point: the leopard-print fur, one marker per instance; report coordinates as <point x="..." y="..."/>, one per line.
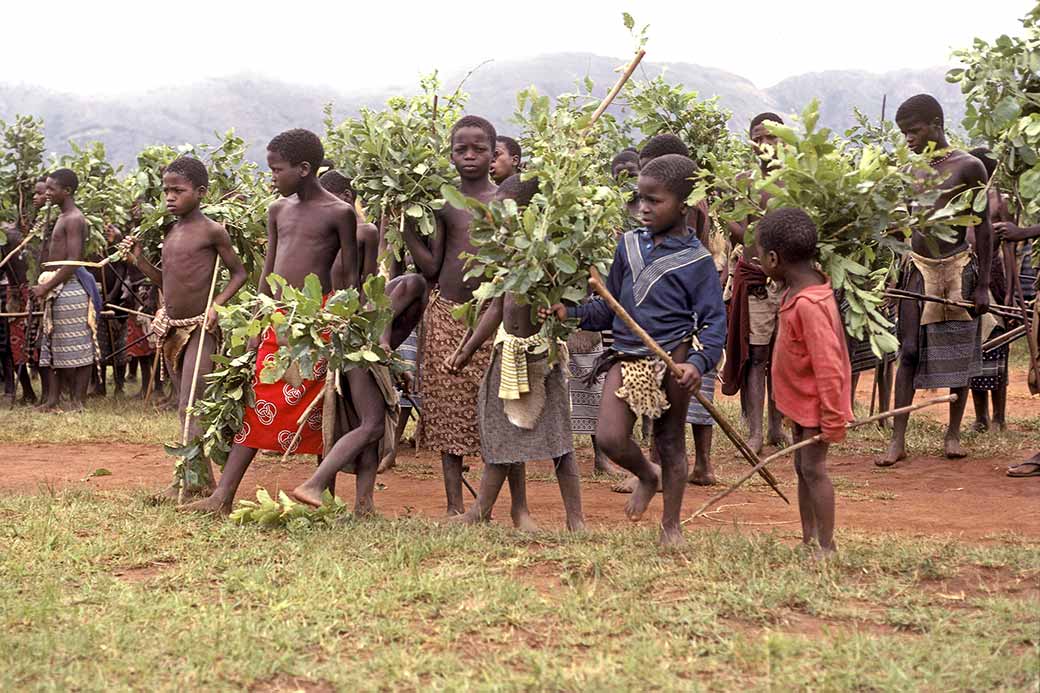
<point x="641" y="387"/>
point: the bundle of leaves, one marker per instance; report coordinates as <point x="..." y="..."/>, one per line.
<point x="102" y="196"/>
<point x="1001" y="84"/>
<point x="398" y="158"/>
<point x="658" y="107"/>
<point x="865" y="203"/>
<point x="21" y="163"/>
<point x="543" y="253"/>
<point x="285" y="512"/>
<point x="238" y="197"/>
<point x="343" y="333"/>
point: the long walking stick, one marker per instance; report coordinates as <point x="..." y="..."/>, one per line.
<point x="17" y="249"/>
<point x="812" y="441"/>
<point x="198" y="363"/>
<point x="596" y="282"/>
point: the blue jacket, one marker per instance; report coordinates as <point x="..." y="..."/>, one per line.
<point x="672" y="290"/>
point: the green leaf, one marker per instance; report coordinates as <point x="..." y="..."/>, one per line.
<point x="453" y="197"/>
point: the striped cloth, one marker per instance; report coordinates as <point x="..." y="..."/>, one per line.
<point x="585" y="348"/>
<point x="409" y="353"/>
<point x="697" y="414"/>
<point x="513" y="380"/>
<point x="71" y="342"/>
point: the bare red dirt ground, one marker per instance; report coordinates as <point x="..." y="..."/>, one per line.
<point x="921" y="496"/>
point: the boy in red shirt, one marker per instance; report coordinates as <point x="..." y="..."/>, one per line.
<point x="812" y="383"/>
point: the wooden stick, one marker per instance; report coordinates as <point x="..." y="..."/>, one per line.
<point x="1004" y="339"/>
<point x="996" y="309"/>
<point x="198" y="363"/>
<point x="812" y="441"/>
<point x="77" y="263"/>
<point x="128" y="310"/>
<point x="612" y="94"/>
<point x="302" y="421"/>
<point x="596" y="282"/>
<point x="1034" y="359"/>
<point x="17" y="249"/>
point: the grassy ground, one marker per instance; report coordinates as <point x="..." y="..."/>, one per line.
<point x="103" y="592"/>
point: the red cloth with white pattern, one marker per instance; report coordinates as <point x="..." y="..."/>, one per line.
<point x="135" y="336"/>
<point x="271" y="422"/>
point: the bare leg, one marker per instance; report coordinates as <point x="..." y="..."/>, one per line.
<point x="884" y="373"/>
<point x="702" y="474"/>
<point x="146" y="376"/>
<point x="909" y="325"/>
<point x="601" y="464"/>
<point x="222" y="498"/>
<point x="1000" y="407"/>
<point x="952" y="443"/>
<point x="389" y="461"/>
<point x="28" y="394"/>
<point x="855" y="384"/>
<point x="490" y="485"/>
<point x="811" y="465"/>
<point x="47" y="379"/>
<point x="366" y="470"/>
<point x="451" y="466"/>
<point x="209" y="347"/>
<point x="518" y="509"/>
<point x="670" y="440"/>
<point x="367" y="401"/>
<point x="775" y="435"/>
<point x="613" y="432"/>
<point x="80" y="381"/>
<point x="980" y="398"/>
<point x="569" y="480"/>
<point x="755" y="385"/>
<point x="408" y="298"/>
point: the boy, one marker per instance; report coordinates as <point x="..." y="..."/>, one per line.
<point x="666" y="280"/>
<point x="522" y="405"/>
<point x="189" y="253"/>
<point x="812" y="383"/>
<point x="18" y="301"/>
<point x="752" y="314"/>
<point x="507" y="159"/>
<point x="305" y="231"/>
<point x="449" y="416"/>
<point x="940" y="346"/>
<point x="367" y="234"/>
<point x="68" y="346"/>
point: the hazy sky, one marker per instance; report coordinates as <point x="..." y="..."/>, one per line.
<point x="115" y="47"/>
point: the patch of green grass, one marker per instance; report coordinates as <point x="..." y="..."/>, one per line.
<point x="106" y="419"/>
<point x="101" y="591"/>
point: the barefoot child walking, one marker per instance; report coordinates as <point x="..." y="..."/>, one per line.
<point x="812" y="383"/>
<point x="189" y="253"/>
<point x="523" y="404"/>
<point x="666" y="280"/>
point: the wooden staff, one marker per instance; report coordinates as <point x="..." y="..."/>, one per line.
<point x="612" y="94"/>
<point x="1004" y="339"/>
<point x="596" y="282"/>
<point x="198" y="363"/>
<point x="128" y="310"/>
<point x="17" y="249"/>
<point x="996" y="309"/>
<point x="812" y="441"/>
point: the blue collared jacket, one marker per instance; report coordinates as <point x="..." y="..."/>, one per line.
<point x="672" y="290"/>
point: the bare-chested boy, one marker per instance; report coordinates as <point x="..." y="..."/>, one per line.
<point x="68" y="346"/>
<point x="752" y="317"/>
<point x="305" y="231"/>
<point x="189" y="254"/>
<point x="367" y="234"/>
<point x="939" y="346"/>
<point x="17" y="302"/>
<point x="507" y="159"/>
<point x="449" y="417"/>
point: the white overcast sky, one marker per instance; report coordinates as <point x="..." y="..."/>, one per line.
<point x="116" y="47"/>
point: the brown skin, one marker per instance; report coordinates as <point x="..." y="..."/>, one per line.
<point x="305" y="231"/>
<point x="960" y="171"/>
<point x="441" y="262"/>
<point x="189" y="254"/>
<point x="15" y="270"/>
<point x="368" y="249"/>
<point x="815" y="490"/>
<point x="67" y="243"/>
<point x="516" y="317"/>
<point x="504" y="164"/>
<point x="664" y="214"/>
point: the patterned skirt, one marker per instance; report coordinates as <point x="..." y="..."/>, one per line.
<point x="71" y="343"/>
<point x="697" y="414"/>
<point x="585" y="397"/>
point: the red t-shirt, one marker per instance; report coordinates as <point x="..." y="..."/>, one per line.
<point x="812" y="375"/>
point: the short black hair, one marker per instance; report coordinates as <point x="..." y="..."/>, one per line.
<point x="191" y="168"/>
<point x="335" y="182"/>
<point x="298" y="145"/>
<point x="42" y="179"/>
<point x="66" y="178"/>
<point x="763" y="117"/>
<point x="660" y="145"/>
<point x="624" y="156"/>
<point x="922" y="108"/>
<point x="789" y="232"/>
<point x="984" y="155"/>
<point x="675" y="171"/>
<point x="472" y="121"/>
<point x="513" y="188"/>
<point x="512" y="146"/>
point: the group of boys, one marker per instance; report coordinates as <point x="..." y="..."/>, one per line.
<point x="494" y="391"/>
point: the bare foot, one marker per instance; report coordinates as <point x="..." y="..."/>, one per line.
<point x="629" y="484"/>
<point x="896" y="452"/>
<point x="778" y="439"/>
<point x="524" y="522"/>
<point x="953" y="449"/>
<point x="603" y="466"/>
<point x="467" y="518"/>
<point x="389" y="461"/>
<point x="213" y="505"/>
<point x="821" y="554"/>
<point x="980" y="426"/>
<point x="455" y="512"/>
<point x="576" y="524"/>
<point x="671" y="537"/>
<point x="755" y="443"/>
<point x="641" y="497"/>
<point x="999" y="426"/>
<point x="702" y="477"/>
<point x="307" y="495"/>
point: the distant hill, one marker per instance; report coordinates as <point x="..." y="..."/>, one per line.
<point x="259" y="108"/>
